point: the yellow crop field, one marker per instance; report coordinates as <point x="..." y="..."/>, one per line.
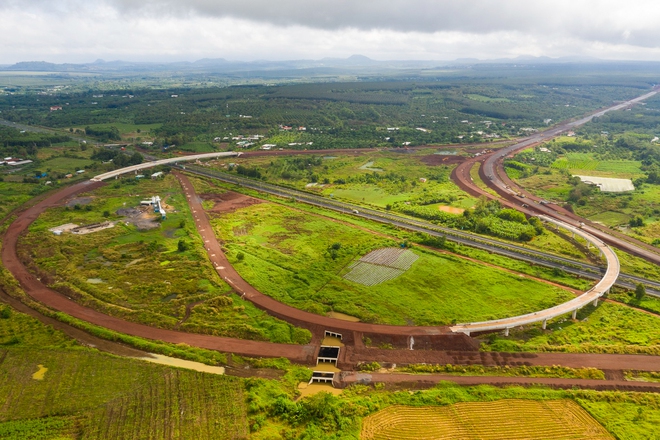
<point x="502" y="419"/>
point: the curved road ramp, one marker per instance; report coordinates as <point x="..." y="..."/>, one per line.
<point x="591" y="296"/>
<point x="572" y="306"/>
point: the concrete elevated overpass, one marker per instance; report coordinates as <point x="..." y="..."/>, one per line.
<point x="590" y="296"/>
<point x="155" y="163"/>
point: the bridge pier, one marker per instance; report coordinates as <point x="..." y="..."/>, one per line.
<point x="506" y="331"/>
<point x="545" y="323"/>
<point x="595" y="303"/>
<point x="574" y="314"/>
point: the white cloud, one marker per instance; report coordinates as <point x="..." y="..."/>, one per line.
<point x="77" y="30"/>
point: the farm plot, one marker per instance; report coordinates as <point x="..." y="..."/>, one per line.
<point x="381" y="265"/>
<point x="179" y="404"/>
<point x="510" y="419"/>
<point x="94" y="395"/>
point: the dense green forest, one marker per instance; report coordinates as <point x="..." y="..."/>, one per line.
<point x="334" y="115"/>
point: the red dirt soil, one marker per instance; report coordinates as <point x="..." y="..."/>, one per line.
<point x="441" y="159"/>
<point x="229" y="201"/>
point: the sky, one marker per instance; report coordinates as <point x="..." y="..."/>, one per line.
<point x="78" y="31"/>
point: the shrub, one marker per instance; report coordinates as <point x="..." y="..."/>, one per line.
<point x="372" y="366"/>
<point x="183" y="245"/>
<point x="5" y="313"/>
<point x="640" y="291"/>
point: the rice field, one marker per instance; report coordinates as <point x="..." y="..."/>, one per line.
<point x="511" y="419"/>
<point x="381" y="265"/>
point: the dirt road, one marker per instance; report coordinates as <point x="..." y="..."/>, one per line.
<point x="398" y="380"/>
<point x="57" y="301"/>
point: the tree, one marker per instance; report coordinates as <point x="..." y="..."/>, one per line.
<point x="640" y="291"/>
<point x="183" y="245"/>
<point x="636" y="221"/>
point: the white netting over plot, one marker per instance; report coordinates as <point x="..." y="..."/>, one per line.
<point x="381" y="265"/>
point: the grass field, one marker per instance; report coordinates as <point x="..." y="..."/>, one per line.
<point x="345" y="177"/>
<point x="64" y="165"/>
<point x="547" y="242"/>
<point x="483" y="98"/>
<point x="368" y="194"/>
<point x="14" y="194"/>
<point x="141" y="275"/>
<point x="511" y="419"/>
<point x="286" y="255"/>
<point x="577" y="162"/>
<point x="127" y="130"/>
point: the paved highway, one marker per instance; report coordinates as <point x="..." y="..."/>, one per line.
<point x="494" y="176"/>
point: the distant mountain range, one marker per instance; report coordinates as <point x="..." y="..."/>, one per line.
<point x="221" y="65"/>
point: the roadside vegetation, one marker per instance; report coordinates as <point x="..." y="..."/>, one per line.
<point x="506" y="371"/>
<point x="608" y="328"/>
<point x="645" y="301"/>
<point x="396" y="187"/>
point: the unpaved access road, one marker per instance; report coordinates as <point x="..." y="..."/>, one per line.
<point x="39" y="292"/>
<point x="428" y="380"/>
